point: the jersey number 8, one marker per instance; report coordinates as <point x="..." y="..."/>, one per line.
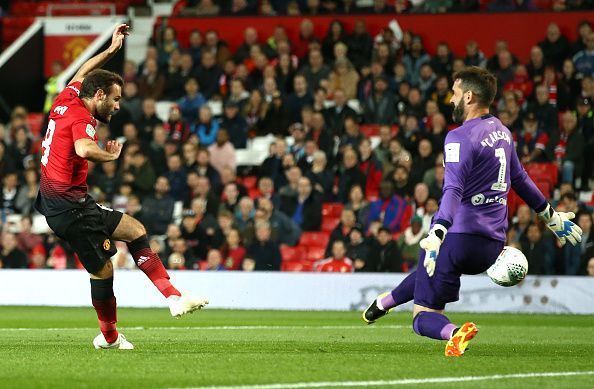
<point x="51" y="127"/>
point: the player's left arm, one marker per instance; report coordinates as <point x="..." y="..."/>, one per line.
<point x="558" y="222"/>
<point x="117" y="41"/>
<point x="458" y="158"/>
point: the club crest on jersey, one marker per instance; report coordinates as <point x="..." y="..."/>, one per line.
<point x="90" y="131"/>
<point x="106" y="245"/>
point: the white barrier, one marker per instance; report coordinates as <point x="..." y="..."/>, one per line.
<point x="294" y="291"/>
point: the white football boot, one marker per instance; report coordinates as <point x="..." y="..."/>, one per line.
<point x="180" y="305"/>
<point x="120" y="344"/>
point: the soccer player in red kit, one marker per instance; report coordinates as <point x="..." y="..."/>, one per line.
<point x="70" y="140"/>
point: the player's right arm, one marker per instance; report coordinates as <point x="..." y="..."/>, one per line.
<point x="88" y="149"/>
<point x="558" y="222"/>
<point x="117" y="40"/>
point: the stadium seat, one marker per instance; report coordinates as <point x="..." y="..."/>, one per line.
<point x="329" y="223"/>
<point x="369" y="130"/>
<point x="296" y="253"/>
<point x="314" y="239"/>
<point x="332" y="209"/>
<point x="316" y="253"/>
<point x="297" y="266"/>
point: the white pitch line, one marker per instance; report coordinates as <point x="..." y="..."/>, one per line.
<point x="216" y="328"/>
<point x="407" y="381"/>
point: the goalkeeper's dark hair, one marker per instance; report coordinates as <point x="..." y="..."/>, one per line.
<point x="99" y="79"/>
<point x="481" y="82"/>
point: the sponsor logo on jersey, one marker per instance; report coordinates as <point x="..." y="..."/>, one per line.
<point x="90" y="131"/>
<point x="479" y="199"/>
<point x="452" y="152"/>
<point x="60" y="109"/>
<point x="106" y="245"/>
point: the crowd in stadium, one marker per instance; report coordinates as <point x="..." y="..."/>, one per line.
<point x="372" y="198"/>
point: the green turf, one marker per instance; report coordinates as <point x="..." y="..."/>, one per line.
<point x="305" y="351"/>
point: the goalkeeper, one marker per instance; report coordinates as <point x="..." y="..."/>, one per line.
<point x="468" y="231"/>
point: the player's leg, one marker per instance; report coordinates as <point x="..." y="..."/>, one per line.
<point x="131" y="231"/>
<point x="385" y="302"/>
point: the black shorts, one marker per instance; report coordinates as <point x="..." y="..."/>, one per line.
<point x="88" y="230"/>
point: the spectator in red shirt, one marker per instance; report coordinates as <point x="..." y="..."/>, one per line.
<point x="338" y="262"/>
<point x="233" y="250"/>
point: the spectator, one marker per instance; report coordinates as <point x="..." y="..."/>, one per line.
<point x="250" y="39"/>
<point x="131" y="101"/>
<point x="299" y="98"/>
<point x="420" y="197"/>
<point x="586" y="127"/>
<point x="235" y="125"/>
<point x="244" y="213"/>
<point x="11" y="257"/>
<point x="584" y="59"/>
<point x="390" y="209"/>
<point x="402" y="185"/>
<point x="357" y="249"/>
<point x="191" y="102"/>
<point x="206" y="127"/>
<point x="264" y="251"/>
<point x="177" y="177"/>
<point x="590" y="267"/>
<point x="536" y="64"/>
<point x="214" y="260"/>
<point x="569" y="87"/>
<point x="230" y="197"/>
<point x="315" y="71"/>
<point x="566" y="149"/>
<point x="345" y="78"/>
<point x="584" y="220"/>
<point x="9" y="194"/>
<point x="195" y="47"/>
<point x="233" y="250"/>
<point x="321" y="135"/>
<point x="140" y="174"/>
<point x="538" y="251"/>
<point x="546" y="113"/>
<point x="380" y="107"/>
<point x="360" y="44"/>
<point x="408" y="242"/>
<point x="342" y="231"/>
<point x="531" y="142"/>
<point x="352" y="136"/>
<point x="430" y="210"/>
<point x="474" y="56"/>
<point x="415" y="59"/>
<point x="423" y="161"/>
<point x="335" y="116"/>
<point x="359" y="205"/>
<point x="27" y="241"/>
<point x="338" y="262"/>
<point x="152" y="82"/>
<point x="148" y="120"/>
<point x="208" y="75"/>
<point x="442" y="62"/>
<point x="177" y="130"/>
<point x="275" y="120"/>
<point x="305" y="209"/>
<point x="370" y="167"/>
<point x="157" y="210"/>
<point x="555" y="46"/>
<point x="205" y="169"/>
<point x="505" y="68"/>
<point x="266" y="191"/>
<point x="222" y="152"/>
<point x="384" y="255"/>
<point x="27" y="193"/>
<point x="348" y="175"/>
<point x="584" y="30"/>
<point x="321" y="178"/>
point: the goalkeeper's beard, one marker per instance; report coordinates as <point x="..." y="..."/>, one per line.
<point x="459" y="114"/>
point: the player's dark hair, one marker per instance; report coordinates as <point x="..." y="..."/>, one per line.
<point x="99" y="79"/>
<point x="481" y="82"/>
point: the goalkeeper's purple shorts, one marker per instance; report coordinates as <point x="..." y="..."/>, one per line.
<point x="459" y="254"/>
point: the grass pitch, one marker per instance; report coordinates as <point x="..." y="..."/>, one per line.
<point x="51" y="347"/>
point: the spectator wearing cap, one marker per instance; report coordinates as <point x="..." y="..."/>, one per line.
<point x="206" y="127"/>
<point x="191" y="102"/>
<point x="584" y="59"/>
<point x="390" y="209"/>
<point x="305" y="209"/>
<point x="566" y="148"/>
<point x="408" y="242"/>
<point x="531" y="141"/>
<point x="264" y="251"/>
<point x="380" y="106"/>
<point x="338" y="262"/>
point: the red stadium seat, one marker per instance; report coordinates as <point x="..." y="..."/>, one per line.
<point x="329" y="223"/>
<point x="316" y="253"/>
<point x="297" y="266"/>
<point x="332" y="209"/>
<point x="289" y="253"/>
<point x="314" y="239"/>
<point x="369" y="130"/>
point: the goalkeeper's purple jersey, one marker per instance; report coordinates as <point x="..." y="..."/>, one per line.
<point x="481" y="166"/>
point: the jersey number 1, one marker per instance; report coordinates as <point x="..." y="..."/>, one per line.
<point x="500" y="185"/>
<point x="51" y="127"/>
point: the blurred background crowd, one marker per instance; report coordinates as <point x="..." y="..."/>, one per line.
<point x="354" y="126"/>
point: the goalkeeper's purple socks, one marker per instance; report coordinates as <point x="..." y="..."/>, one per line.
<point x="403" y="293"/>
<point x="433" y="325"/>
